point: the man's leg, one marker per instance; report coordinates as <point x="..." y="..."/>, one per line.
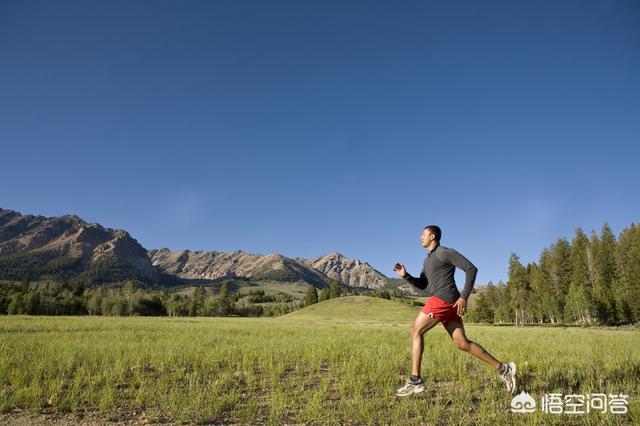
<point x="456" y="331"/>
<point x="415" y="384"/>
<point x="507" y="371"/>
<point x="422" y="324"/>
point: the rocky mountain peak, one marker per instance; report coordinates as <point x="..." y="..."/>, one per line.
<point x="42" y="237"/>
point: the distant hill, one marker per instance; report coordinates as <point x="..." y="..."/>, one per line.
<point x="356" y="309"/>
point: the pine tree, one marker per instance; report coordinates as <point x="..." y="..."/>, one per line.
<point x="311" y="297"/>
<point x="225" y="304"/>
<point x="334" y="289"/>
<point x="504" y="311"/>
<point x="324" y="295"/>
<point x="578" y="305"/>
<point x="482" y="310"/>
<point x="518" y="284"/>
<point x="628" y="271"/>
<point x="536" y="302"/>
<point x="491" y="296"/>
<point x="545" y="302"/>
<point x="560" y="275"/>
<point x="603" y="290"/>
<point x="224" y="290"/>
<point x="197" y="302"/>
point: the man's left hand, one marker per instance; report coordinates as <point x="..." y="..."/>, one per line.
<point x="461" y="305"/>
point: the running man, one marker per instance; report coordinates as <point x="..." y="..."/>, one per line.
<point x="445" y="304"/>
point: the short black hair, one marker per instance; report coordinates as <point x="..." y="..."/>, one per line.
<point x="435" y="230"/>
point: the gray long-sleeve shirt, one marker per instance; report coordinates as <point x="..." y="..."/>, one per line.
<point x="438" y="271"/>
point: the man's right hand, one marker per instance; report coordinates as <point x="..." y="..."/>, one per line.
<point x="400" y="270"/>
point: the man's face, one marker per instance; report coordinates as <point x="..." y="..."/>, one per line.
<point x="426" y="237"/>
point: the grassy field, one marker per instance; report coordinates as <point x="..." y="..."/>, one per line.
<point x="337" y="362"/>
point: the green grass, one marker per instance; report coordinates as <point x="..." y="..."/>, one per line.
<point x="337" y="362"/>
<point x="350" y="309"/>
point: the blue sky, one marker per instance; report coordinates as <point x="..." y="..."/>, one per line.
<point x="304" y="128"/>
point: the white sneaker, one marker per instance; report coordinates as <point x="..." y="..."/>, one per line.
<point x="509" y="377"/>
<point x="410" y="388"/>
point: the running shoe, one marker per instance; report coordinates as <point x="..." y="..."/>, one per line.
<point x="509" y="376"/>
<point x="410" y="388"/>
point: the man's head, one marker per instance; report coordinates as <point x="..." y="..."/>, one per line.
<point x="430" y="235"/>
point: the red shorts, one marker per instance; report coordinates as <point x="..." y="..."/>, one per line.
<point x="441" y="310"/>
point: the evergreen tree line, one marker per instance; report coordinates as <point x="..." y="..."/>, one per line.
<point x="126" y="299"/>
<point x="591" y="280"/>
<point x="326" y="293"/>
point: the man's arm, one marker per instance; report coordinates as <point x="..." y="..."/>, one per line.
<point x="421" y="282"/>
<point x="459" y="261"/>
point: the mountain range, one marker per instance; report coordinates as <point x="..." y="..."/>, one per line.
<point x="67" y="247"/>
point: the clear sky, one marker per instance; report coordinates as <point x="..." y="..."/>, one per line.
<point x="309" y="127"/>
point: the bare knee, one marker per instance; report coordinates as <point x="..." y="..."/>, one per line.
<point x="462" y="344"/>
<point x="415" y="332"/>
